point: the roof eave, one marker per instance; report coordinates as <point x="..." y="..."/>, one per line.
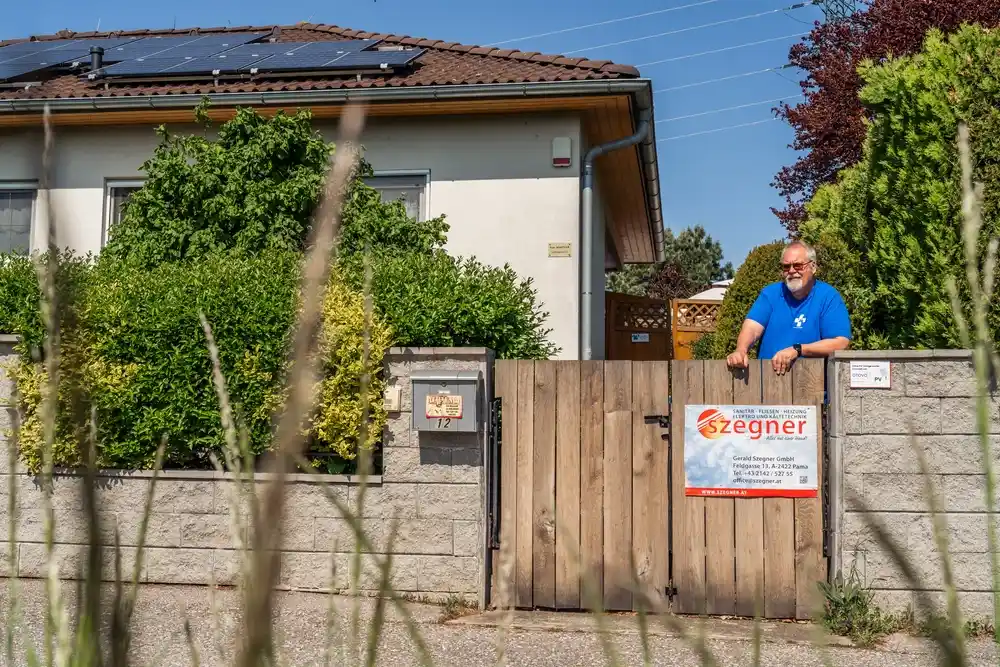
<point x="328" y="96"/>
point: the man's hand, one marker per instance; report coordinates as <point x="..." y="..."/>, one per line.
<point x="782" y="361"/>
<point x="737" y="359"/>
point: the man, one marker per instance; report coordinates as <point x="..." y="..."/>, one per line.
<point x="798" y="317"/>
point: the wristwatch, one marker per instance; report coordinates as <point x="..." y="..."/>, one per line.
<point x="798" y="349"/>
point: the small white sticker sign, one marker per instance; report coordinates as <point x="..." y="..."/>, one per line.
<point x="640" y="338"/>
<point x="870" y="375"/>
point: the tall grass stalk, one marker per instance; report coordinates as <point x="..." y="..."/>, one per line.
<point x="982" y="286"/>
<point x="257" y="648"/>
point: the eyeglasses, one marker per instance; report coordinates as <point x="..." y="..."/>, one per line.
<point x="795" y="266"/>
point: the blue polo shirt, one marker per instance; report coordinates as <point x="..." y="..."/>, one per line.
<point x="787" y="321"/>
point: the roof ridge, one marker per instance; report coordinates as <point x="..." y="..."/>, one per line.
<point x="405" y="40"/>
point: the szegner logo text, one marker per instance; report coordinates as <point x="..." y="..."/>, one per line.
<point x="713" y="424"/>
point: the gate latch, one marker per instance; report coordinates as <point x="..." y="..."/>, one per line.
<point x="662" y="420"/>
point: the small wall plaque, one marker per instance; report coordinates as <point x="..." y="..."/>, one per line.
<point x="640" y="338"/>
<point x="560" y="250"/>
<point x="871" y="375"/>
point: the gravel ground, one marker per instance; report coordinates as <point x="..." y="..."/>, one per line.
<point x="301" y="622"/>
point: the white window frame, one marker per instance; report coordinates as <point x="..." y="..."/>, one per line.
<point x="22" y="186"/>
<point x="109" y="186"/>
<point x="422" y="174"/>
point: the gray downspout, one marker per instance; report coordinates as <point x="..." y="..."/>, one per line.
<point x="587" y="220"/>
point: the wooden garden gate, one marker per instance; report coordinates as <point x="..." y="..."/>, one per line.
<point x="592" y="504"/>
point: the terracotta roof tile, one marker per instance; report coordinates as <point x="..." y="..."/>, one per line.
<point x="444" y="63"/>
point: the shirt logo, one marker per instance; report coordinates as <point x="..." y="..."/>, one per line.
<point x="799" y="321"/>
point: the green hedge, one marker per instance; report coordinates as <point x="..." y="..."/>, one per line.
<point x="704" y="347"/>
<point x="761" y="267"/>
<point x="140" y="356"/>
<point x="435" y="300"/>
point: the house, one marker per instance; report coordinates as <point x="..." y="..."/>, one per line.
<point x="495" y="139"/>
<point x="716" y="292"/>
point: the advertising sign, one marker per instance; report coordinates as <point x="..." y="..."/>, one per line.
<point x="871" y="375"/>
<point x="443" y="406"/>
<point x="751" y="451"/>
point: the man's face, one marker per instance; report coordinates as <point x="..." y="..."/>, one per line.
<point x="796" y="269"/>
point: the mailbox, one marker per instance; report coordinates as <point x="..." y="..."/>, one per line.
<point x="446" y="401"/>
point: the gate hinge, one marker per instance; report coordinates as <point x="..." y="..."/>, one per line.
<point x="662" y="420"/>
<point x="670" y="591"/>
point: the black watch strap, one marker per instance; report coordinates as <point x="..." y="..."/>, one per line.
<point x="798" y="349"/>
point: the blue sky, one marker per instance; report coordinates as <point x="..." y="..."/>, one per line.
<point x="720" y="180"/>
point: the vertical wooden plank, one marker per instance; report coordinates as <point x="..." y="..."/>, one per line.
<point x="543" y="469"/>
<point x="779" y="521"/>
<point x="720" y="513"/>
<point x="687" y="382"/>
<point x="617" y="485"/>
<point x="650" y="496"/>
<point x="592" y="483"/>
<point x="506" y="389"/>
<point x="525" y="436"/>
<point x="808" y="388"/>
<point x="568" y="485"/>
<point x="749" y="514"/>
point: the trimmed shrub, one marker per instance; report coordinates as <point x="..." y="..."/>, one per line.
<point x="20" y="294"/>
<point x="438" y="301"/>
<point x="347" y="380"/>
<point x="761" y="267"/>
<point x="140" y="358"/>
<point x="704" y="347"/>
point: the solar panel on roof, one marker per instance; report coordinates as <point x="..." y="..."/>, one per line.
<point x="190" y="45"/>
<point x="223" y="64"/>
<point x="11" y="71"/>
<point x="37" y="52"/>
<point x="305" y="61"/>
<point x="225" y="53"/>
<point x="28" y="57"/>
<point x="143" y="66"/>
<point x="376" y="59"/>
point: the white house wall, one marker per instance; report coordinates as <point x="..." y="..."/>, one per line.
<point x="491" y="176"/>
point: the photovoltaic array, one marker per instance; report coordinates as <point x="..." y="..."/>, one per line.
<point x="194" y="55"/>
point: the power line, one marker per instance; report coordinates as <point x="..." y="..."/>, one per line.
<point x="720" y="129"/>
<point x="725" y="109"/>
<point x="838" y="10"/>
<point x="608" y="22"/>
<point x="723" y="78"/>
<point x="696" y="27"/>
<point x="722" y="50"/>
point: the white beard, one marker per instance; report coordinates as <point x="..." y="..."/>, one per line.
<point x="794" y="283"/>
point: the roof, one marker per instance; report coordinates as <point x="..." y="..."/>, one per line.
<point x="444" y="63"/>
<point x="714" y="293"/>
<point x="711" y="294"/>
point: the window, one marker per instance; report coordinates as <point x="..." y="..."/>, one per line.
<point x="118" y="193"/>
<point x="412" y="188"/>
<point x="16" y="208"/>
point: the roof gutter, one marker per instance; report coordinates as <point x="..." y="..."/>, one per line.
<point x="339" y="96"/>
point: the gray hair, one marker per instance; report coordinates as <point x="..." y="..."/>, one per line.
<point x="810" y="251"/>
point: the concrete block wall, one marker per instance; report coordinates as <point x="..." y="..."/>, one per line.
<point x="934" y="394"/>
<point x="433" y="485"/>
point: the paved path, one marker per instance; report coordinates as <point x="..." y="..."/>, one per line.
<point x="159" y="637"/>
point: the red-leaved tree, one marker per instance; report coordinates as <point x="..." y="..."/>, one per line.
<point x="829" y="124"/>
